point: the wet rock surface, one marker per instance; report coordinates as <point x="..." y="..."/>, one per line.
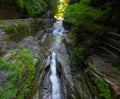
<point x="47" y="87"/>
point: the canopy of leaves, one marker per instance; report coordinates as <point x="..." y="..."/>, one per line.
<point x="31" y="7"/>
<point x="83" y="15"/>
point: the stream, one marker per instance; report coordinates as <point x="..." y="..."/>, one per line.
<point x="52" y="81"/>
<point x="54" y="78"/>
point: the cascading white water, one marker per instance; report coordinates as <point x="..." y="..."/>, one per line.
<point x="56" y="92"/>
<point x="55" y="80"/>
<point x="58" y="28"/>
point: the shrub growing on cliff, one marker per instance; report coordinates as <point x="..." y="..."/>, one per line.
<point x="20" y="75"/>
<point x="23" y="28"/>
<point x="103" y="88"/>
<point x="10" y="29"/>
<point x="80" y="52"/>
<point x="78" y="55"/>
<point x="20" y="30"/>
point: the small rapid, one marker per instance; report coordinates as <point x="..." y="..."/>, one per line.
<point x="58" y="28"/>
<point x="51" y="85"/>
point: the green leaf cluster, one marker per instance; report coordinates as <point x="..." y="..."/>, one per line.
<point x="20" y="75"/>
<point x="79" y="52"/>
<point x="14" y="31"/>
<point x="103" y="88"/>
<point x="84" y="16"/>
<point x="4" y="64"/>
<point x="31" y="7"/>
<point x="78" y="55"/>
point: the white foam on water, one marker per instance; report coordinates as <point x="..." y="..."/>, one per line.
<point x="56" y="92"/>
<point x="58" y="28"/>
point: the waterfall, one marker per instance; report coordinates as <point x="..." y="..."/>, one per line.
<point x="58" y="28"/>
<point x="56" y="92"/>
<point x="54" y="78"/>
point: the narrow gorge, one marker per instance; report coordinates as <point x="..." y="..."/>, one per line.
<point x="63" y="49"/>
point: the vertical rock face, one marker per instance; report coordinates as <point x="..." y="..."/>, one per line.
<point x="108" y="49"/>
<point x="101" y="67"/>
<point x="76" y="84"/>
<point x="109" y="41"/>
<point x="109" y="44"/>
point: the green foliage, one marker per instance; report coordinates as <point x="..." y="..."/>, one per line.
<point x="84" y="16"/>
<point x="20" y="3"/>
<point x="23" y="27"/>
<point x="85" y="19"/>
<point x="85" y="2"/>
<point x="103" y="88"/>
<point x="80" y="51"/>
<point x="78" y="55"/>
<point x="61" y="8"/>
<point x="118" y="80"/>
<point x="115" y="70"/>
<point x="10" y="28"/>
<point x="4" y="64"/>
<point x="20" y="76"/>
<point x="2" y="53"/>
<point x="6" y="37"/>
<point x="14" y="31"/>
<point x="31" y="7"/>
<point x="34" y="7"/>
<point x="1" y="23"/>
<point x="53" y="4"/>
